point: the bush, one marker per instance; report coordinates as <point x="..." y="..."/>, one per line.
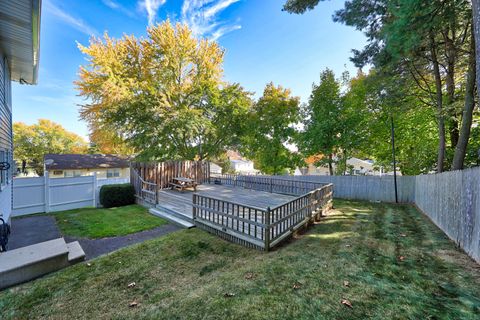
<point x="117" y="195"/>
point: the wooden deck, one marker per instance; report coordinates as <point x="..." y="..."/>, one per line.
<point x="181" y="202"/>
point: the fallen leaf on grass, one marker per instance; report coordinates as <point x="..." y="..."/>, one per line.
<point x="229" y="295"/>
<point x="133" y="304"/>
<point x="348" y="245"/>
<point x="131" y="285"/>
<point x="401" y="258"/>
<point x="249" y="276"/>
<point x="403" y="235"/>
<point x="89" y="264"/>
<point x="347" y="303"/>
<point x="297" y="286"/>
<point x="346" y="283"/>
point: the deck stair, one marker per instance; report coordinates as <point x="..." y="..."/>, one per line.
<point x="30" y="262"/>
<point x="172" y="216"/>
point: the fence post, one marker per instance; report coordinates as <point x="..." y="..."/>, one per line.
<point x="95" y="186"/>
<point x="267" y="229"/>
<point x="194" y="208"/>
<point x="47" y="192"/>
<point x="271" y="184"/>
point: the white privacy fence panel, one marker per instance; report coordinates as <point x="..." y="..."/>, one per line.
<point x="43" y="194"/>
<point x="70" y="193"/>
<point x="452" y="201"/>
<point x="28" y="195"/>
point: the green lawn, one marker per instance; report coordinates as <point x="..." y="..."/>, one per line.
<point x="100" y="223"/>
<point x="389" y="261"/>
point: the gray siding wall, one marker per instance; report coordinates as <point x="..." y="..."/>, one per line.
<point x="6" y="142"/>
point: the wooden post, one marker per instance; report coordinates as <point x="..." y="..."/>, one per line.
<point x="194" y="208"/>
<point x="267" y="229"/>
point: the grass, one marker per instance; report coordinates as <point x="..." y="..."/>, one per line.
<point x="397" y="263"/>
<point x="100" y="223"/>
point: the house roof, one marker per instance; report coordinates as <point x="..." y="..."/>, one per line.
<point x="314" y="158"/>
<point x="20" y="38"/>
<point x="84" y="161"/>
<point x="234" y="155"/>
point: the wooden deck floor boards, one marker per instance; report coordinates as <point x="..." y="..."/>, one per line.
<point x="181" y="202"/>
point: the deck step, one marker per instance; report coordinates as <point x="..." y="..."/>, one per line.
<point x="75" y="252"/>
<point x="171" y="217"/>
<point x="177" y="210"/>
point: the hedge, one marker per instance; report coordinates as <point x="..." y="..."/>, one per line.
<point x="117" y="195"/>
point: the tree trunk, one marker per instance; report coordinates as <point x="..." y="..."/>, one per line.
<point x="439" y="103"/>
<point x="450" y="87"/>
<point x="330" y="165"/>
<point x="476" y="27"/>
<point x="461" y="147"/>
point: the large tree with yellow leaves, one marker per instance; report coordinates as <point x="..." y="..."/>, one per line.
<point x="163" y="95"/>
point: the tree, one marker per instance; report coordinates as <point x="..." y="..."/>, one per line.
<point x="322" y="129"/>
<point x="32" y="142"/>
<point x="271" y="129"/>
<point x="429" y="42"/>
<point x="163" y="95"/>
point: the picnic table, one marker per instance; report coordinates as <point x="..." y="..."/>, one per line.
<point x="181" y="183"/>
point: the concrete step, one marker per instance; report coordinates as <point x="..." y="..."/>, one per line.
<point x="75" y="252"/>
<point x="30" y="262"/>
<point x="171" y="217"/>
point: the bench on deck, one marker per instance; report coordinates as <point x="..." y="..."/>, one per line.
<point x="181" y="183"/>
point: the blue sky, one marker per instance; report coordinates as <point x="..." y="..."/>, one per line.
<point x="262" y="44"/>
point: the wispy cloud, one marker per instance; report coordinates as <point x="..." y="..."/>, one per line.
<point x="151" y="7"/>
<point x="202" y="17"/>
<point x="72" y="21"/>
<point x="118" y="7"/>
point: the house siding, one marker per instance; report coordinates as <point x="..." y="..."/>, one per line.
<point x="101" y="173"/>
<point x="6" y="136"/>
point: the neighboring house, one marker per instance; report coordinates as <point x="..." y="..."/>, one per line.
<point x="240" y="164"/>
<point x="19" y="58"/>
<point x="77" y="165"/>
<point x="355" y="167"/>
<point x="215" y="168"/>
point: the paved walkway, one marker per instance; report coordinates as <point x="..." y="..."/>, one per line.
<point x="96" y="247"/>
<point x="30" y="230"/>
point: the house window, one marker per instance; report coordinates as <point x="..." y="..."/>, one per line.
<point x="3" y="173"/>
<point x="113" y="173"/>
<point x="57" y="172"/>
<point x="72" y="173"/>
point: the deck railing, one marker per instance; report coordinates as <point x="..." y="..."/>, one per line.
<point x="144" y="190"/>
<point x="266" y="183"/>
<point x="163" y="173"/>
<point x="257" y="227"/>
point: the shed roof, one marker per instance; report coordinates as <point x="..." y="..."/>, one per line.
<point x="84" y="161"/>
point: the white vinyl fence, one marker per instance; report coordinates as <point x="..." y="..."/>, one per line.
<point x="44" y="194"/>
